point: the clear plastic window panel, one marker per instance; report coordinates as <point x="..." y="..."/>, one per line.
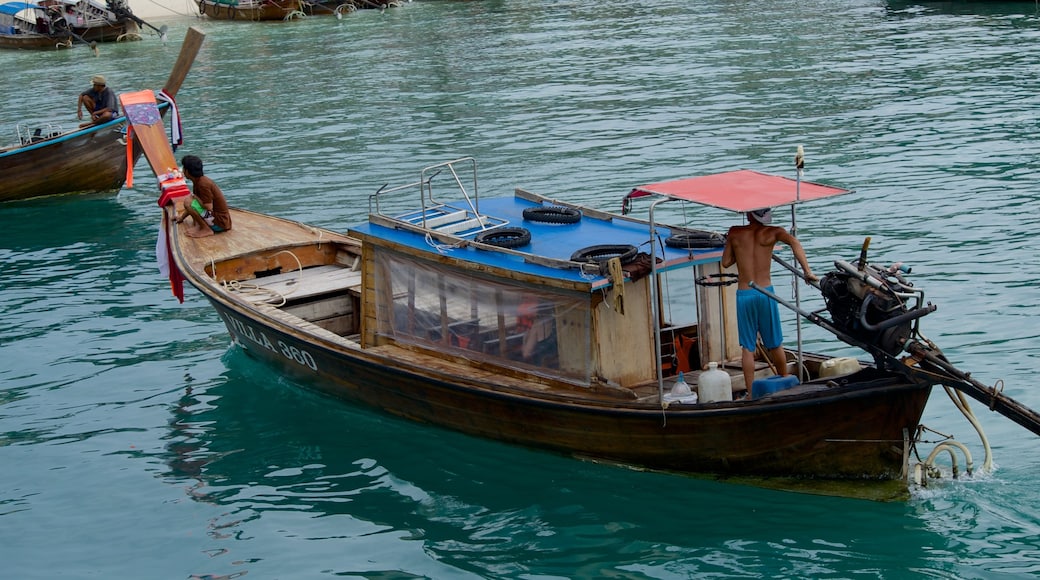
<point x="507" y="324"/>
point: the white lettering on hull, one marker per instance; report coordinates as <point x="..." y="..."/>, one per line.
<point x="239" y="330"/>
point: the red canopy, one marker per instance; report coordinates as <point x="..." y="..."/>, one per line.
<point x="742" y="191"/>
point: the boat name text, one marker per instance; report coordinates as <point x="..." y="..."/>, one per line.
<point x="241" y="330"/>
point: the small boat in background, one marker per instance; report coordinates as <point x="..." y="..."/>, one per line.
<point x="256" y="10"/>
<point x="27" y="25"/>
<point x="90" y="20"/>
<point x="50" y="24"/>
<point x="47" y="160"/>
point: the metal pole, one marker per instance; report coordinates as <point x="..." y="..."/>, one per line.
<point x="654" y="291"/>
<point x="799" y="164"/>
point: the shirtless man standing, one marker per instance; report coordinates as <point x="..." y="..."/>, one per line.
<point x="750" y="247"/>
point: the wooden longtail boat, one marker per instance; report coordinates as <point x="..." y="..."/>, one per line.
<point x="255" y="10"/>
<point x="532" y="321"/>
<point x="54" y="24"/>
<point x="26" y="25"/>
<point x="50" y="161"/>
<point x="91" y="20"/>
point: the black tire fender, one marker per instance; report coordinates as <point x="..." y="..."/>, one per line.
<point x="504" y="237"/>
<point x="695" y="240"/>
<point x="552" y="214"/>
<point x="601" y="253"/>
<point x="722" y="279"/>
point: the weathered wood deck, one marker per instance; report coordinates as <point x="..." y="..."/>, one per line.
<point x="248" y="232"/>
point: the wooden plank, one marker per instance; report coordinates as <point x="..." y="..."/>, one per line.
<point x="342" y="325"/>
<point x="292" y="276"/>
<point x="189" y="50"/>
<point x="292" y="244"/>
<point x="338" y="305"/>
<point x="151" y="136"/>
<point x="306" y="283"/>
<point x="334" y="314"/>
<point x="620" y="332"/>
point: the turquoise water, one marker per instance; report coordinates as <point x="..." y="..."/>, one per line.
<point x="136" y="442"/>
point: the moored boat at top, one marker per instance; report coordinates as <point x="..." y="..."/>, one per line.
<point x="48" y="160"/>
<point x="91" y="20"/>
<point x="257" y="10"/>
<point x="532" y="321"/>
<point x="27" y="25"/>
<point x="52" y="24"/>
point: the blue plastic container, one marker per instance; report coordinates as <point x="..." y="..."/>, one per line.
<point x="763" y="387"/>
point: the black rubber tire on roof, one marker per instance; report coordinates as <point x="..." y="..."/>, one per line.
<point x="505" y="237"/>
<point x="600" y="254"/>
<point x="715" y="280"/>
<point x="552" y="214"/>
<point x="695" y="240"/>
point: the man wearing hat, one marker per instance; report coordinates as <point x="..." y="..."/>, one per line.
<point x="99" y="101"/>
<point x="750" y="247"/>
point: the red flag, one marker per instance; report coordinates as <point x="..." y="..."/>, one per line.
<point x="164" y="258"/>
<point x="176" y="278"/>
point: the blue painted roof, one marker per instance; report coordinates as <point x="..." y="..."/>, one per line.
<point x="556" y="241"/>
<point x="12" y="8"/>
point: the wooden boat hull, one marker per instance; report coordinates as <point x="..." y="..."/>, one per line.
<point x="265" y="10"/>
<point x="85" y="161"/>
<point x="812" y="437"/>
<point x="114" y="32"/>
<point x="35" y="41"/>
<point x="859" y="431"/>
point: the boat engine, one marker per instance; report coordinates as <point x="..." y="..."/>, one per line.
<point x="872" y="305"/>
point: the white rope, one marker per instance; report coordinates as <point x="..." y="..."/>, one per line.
<point x="250" y="289"/>
<point x="344" y="8"/>
<point x="254" y="290"/>
<point x="442" y="248"/>
<point x="962" y="404"/>
<point x="927" y="468"/>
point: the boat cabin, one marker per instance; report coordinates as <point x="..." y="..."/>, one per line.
<point x="23" y="18"/>
<point x="533" y="286"/>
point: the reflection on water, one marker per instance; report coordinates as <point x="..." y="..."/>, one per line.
<point x="267" y="452"/>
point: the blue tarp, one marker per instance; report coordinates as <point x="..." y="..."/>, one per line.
<point x="12" y="8"/>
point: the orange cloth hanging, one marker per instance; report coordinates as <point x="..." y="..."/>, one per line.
<point x="129" y="155"/>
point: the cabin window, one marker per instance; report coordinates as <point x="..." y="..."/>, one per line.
<point x="508" y="324"/>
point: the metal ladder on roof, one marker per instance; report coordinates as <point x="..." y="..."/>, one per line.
<point x="462" y="219"/>
<point x="447" y="219"/>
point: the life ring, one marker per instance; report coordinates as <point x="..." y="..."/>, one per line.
<point x="504" y="237"/>
<point x="600" y="254"/>
<point x="695" y="240"/>
<point x="552" y="214"/>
